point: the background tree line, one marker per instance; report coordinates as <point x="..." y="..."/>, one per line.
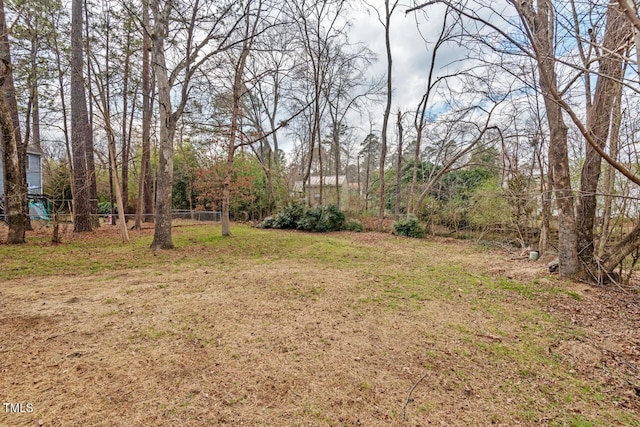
<point x="144" y="107"/>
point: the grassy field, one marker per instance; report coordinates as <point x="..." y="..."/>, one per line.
<point x="275" y="328"/>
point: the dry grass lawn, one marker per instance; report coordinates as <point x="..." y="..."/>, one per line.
<point x="274" y="328"/>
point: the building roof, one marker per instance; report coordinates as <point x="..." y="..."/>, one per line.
<point x="31" y="149"/>
<point x="34" y="149"/>
<point x="327" y="181"/>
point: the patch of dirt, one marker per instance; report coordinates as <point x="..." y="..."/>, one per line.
<point x="610" y="347"/>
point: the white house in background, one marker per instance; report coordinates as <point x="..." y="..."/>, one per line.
<point x="34" y="171"/>
<point x="329" y="190"/>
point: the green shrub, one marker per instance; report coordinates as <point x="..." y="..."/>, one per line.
<point x="268" y="222"/>
<point x="410" y="227"/>
<point x="310" y="220"/>
<point x="322" y="218"/>
<point x="332" y="218"/>
<point x="295" y="216"/>
<point x="289" y="216"/>
<point x="354" y="225"/>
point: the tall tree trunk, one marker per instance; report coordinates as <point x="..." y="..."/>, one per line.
<point x="399" y="167"/>
<point x="366" y="183"/>
<point x="63" y="106"/>
<point x="125" y="134"/>
<point x="32" y="109"/>
<point x="114" y="181"/>
<point x="14" y="214"/>
<point x="145" y="196"/>
<point x="358" y="174"/>
<point x="89" y="149"/>
<point x="320" y="170"/>
<point x="569" y="265"/>
<point x="542" y="23"/>
<point x="412" y="208"/>
<point x="236" y="114"/>
<point x="168" y="122"/>
<point x="306" y="180"/>
<point x="79" y="126"/>
<point x="231" y="147"/>
<point x="609" y="176"/>
<point x="336" y="144"/>
<point x="105" y="91"/>
<point x="608" y="86"/>
<point x="35" y="97"/>
<point x="387" y="110"/>
<point x="112" y="197"/>
<point x="15" y="179"/>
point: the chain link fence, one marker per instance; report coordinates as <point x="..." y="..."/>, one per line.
<point x="194" y="215"/>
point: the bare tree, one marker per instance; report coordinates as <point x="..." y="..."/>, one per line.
<point x="102" y="98"/>
<point x="540" y="29"/>
<point x="599" y="115"/>
<point x="421" y="113"/>
<point x="270" y="68"/>
<point x="145" y="198"/>
<point x="386" y="23"/>
<point x="459" y="139"/>
<point x="61" y="92"/>
<point x="536" y="38"/>
<point x="347" y="87"/>
<point x="317" y="26"/>
<point x="252" y="16"/>
<point x="125" y="125"/>
<point x="256" y="22"/>
<point x="111" y="142"/>
<point x="197" y="46"/>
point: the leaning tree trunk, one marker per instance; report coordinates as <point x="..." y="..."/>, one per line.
<point x="124" y="234"/>
<point x="615" y="256"/>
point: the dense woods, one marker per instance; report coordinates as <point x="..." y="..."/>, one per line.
<point x="520" y="125"/>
